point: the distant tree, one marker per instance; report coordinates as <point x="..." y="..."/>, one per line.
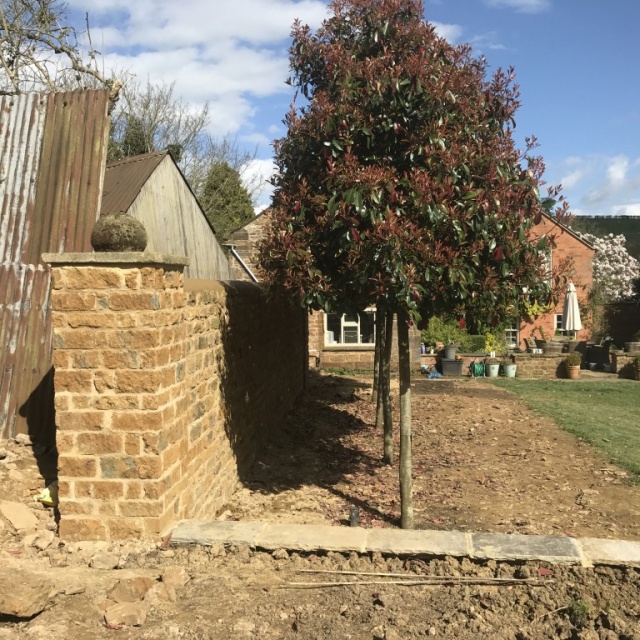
<point x="225" y="200"/>
<point x="149" y="117"/>
<point x="615" y="272"/>
<point x="40" y="51"/>
<point x="399" y="184"/>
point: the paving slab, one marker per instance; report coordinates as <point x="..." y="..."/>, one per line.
<point x="419" y="542"/>
<point x="300" y="537"/>
<point x="208" y="533"/>
<point x="497" y="546"/>
<point x="616" y="552"/>
<point x="483" y="546"/>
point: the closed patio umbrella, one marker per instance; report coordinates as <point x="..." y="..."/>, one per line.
<point x="571" y="312"/>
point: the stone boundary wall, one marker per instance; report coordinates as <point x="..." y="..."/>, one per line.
<point x="540" y="366"/>
<point x="622" y="364"/>
<point x="164" y="389"/>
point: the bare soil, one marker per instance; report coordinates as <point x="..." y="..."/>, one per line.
<point x="482" y="463"/>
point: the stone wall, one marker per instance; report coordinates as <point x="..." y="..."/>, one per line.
<point x="622" y="364"/>
<point x="163" y="389"/>
<point x="540" y="366"/>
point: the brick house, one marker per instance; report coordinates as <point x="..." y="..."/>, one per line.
<point x="577" y="255"/>
<point x="347" y="341"/>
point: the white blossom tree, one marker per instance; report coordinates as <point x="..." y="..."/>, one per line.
<point x="614" y="270"/>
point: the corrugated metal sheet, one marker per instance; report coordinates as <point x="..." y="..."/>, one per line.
<point x="124" y="180"/>
<point x="52" y="154"/>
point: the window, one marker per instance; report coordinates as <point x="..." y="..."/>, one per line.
<point x="350" y="328"/>
<point x="557" y="325"/>
<point x="512" y="334"/>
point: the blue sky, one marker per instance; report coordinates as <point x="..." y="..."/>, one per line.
<point x="576" y="63"/>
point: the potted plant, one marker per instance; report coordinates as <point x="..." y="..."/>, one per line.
<point x="572" y="364"/>
<point x="509" y="368"/>
<point x="450" y="351"/>
<point x="549" y="346"/>
<point x="492" y="367"/>
<point x="634" y="345"/>
<point x="542" y="340"/>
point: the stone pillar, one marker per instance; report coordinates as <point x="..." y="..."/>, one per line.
<point x="120" y="400"/>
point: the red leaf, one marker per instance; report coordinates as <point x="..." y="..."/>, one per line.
<point x="498" y="253"/>
<point x="355" y="235"/>
<point x="544" y="572"/>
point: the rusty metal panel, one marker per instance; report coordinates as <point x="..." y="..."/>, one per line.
<point x="69" y="189"/>
<point x="52" y="157"/>
<point x="124" y="180"/>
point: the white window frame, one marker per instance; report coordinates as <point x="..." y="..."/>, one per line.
<point x="557" y="325"/>
<point x="512" y="334"/>
<point x="348" y="324"/>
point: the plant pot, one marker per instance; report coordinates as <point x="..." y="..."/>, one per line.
<point x="540" y="343"/>
<point x="451" y="367"/>
<point x="573" y="372"/>
<point x="552" y="347"/>
<point x="572" y="345"/>
<point x="509" y="370"/>
<point x="632" y="347"/>
<point x="492" y="370"/>
<point x="450" y="352"/>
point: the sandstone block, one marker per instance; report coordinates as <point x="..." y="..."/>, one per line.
<point x="82" y="529"/>
<point x="19" y="515"/>
<point x="130" y="614"/>
<point x="77" y="466"/>
<point x="98" y="443"/>
<point x="24" y="597"/>
<point x="131" y="589"/>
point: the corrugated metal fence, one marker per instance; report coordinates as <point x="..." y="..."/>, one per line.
<point x="52" y="157"/>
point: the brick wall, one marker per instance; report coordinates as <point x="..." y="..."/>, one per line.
<point x="580" y="255"/>
<point x="163" y="389"/>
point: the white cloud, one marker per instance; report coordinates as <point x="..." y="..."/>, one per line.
<point x="627" y="210"/>
<point x="613" y="187"/>
<point x="572" y="179"/>
<point x="617" y="170"/>
<point x="523" y="6"/>
<point x="258" y="172"/>
<point x="228" y="54"/>
<point x="450" y="32"/>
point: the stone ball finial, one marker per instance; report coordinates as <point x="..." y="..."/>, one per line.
<point x="118" y="232"/>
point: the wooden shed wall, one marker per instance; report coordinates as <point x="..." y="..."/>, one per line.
<point x="176" y="225"/>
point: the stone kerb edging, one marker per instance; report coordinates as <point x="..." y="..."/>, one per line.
<point x="481" y="546"/>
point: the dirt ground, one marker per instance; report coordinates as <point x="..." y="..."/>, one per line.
<point x="482" y="462"/>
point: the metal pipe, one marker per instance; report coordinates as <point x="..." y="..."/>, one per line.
<point x="245" y="266"/>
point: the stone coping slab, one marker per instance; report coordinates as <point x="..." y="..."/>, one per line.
<point x="615" y="552"/>
<point x="208" y="533"/>
<point x="437" y="543"/>
<point x="500" y="546"/>
<point x="312" y="538"/>
<point x="101" y="258"/>
<point x="417" y="542"/>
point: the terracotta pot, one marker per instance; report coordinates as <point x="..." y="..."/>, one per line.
<point x="573" y="372"/>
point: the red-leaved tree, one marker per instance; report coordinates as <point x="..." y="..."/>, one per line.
<point x="399" y="183"/>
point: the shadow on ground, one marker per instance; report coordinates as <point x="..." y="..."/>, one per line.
<point x="309" y="448"/>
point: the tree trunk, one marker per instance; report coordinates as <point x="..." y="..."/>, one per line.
<point x="376" y="358"/>
<point x="385" y="389"/>
<point x="406" y="480"/>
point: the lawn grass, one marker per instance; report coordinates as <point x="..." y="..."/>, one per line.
<point x="604" y="414"/>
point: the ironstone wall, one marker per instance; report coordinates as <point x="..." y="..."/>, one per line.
<point x="164" y="389"/>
